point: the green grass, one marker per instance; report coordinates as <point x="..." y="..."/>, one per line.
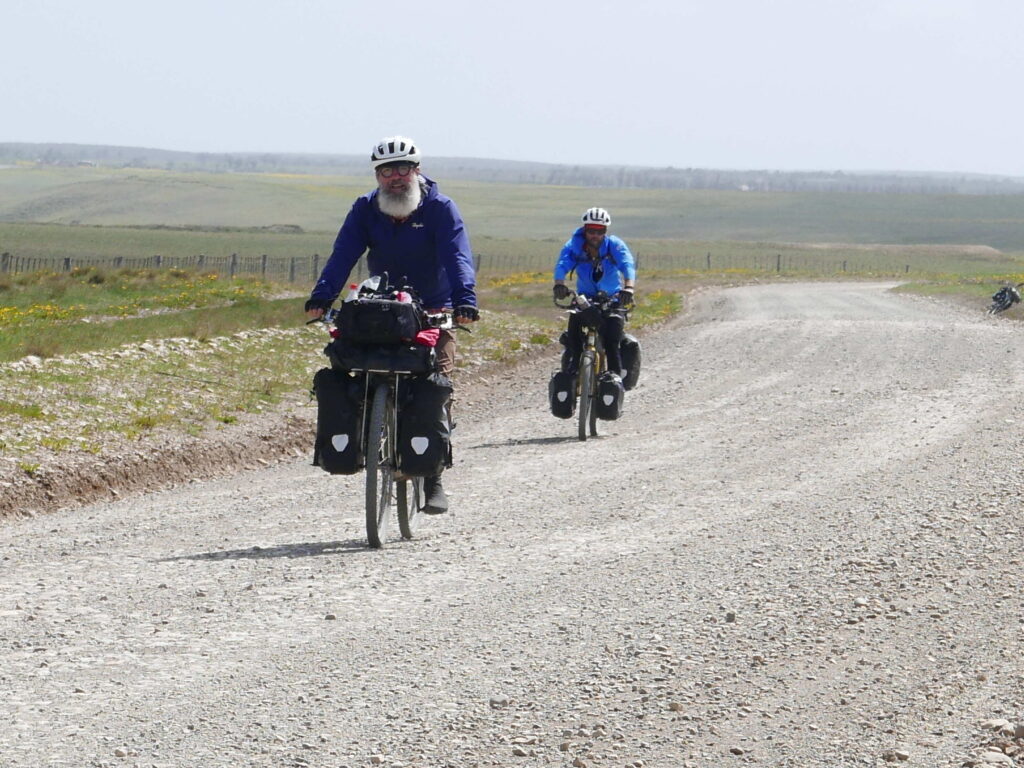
<point x="318" y="204"/>
<point x="24" y="410"/>
<point x="48" y="314"/>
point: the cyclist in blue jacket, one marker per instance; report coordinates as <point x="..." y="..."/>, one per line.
<point x="408" y="229"/>
<point x="602" y="262"/>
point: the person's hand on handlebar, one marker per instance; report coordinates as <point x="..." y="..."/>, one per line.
<point x="561" y="291"/>
<point x="626" y="297"/>
<point x="465" y="314"/>
<point x="315" y="308"/>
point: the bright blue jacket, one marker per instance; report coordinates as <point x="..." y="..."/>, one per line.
<point x="428" y="251"/>
<point x="616" y="261"/>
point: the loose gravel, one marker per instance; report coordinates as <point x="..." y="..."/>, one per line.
<point x="800" y="546"/>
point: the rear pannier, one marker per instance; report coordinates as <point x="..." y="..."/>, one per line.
<point x="562" y="394"/>
<point x="610" y="394"/>
<point x="424" y="434"/>
<point x="629" y="350"/>
<point x="339" y="405"/>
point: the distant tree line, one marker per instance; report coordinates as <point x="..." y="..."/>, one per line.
<point x="517" y="172"/>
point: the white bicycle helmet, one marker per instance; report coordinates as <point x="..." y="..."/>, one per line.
<point x="394" y="149"/>
<point x="597" y="217"/>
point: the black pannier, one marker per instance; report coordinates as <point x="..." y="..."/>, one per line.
<point x="379" y="321"/>
<point x="562" y="394"/>
<point x="610" y="394"/>
<point x="424" y="435"/>
<point x="566" y="352"/>
<point x="346" y="355"/>
<point x="629" y="350"/>
<point x="339" y="406"/>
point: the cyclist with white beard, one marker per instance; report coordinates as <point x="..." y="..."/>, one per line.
<point x="409" y="230"/>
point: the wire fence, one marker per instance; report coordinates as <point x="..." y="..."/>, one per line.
<point x="304" y="270"/>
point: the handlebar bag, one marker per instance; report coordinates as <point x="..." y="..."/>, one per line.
<point x="591" y="316"/>
<point x="339" y="415"/>
<point x="380" y="321"/>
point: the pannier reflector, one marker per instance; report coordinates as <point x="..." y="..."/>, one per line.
<point x="562" y="396"/>
<point x="339" y="442"/>
<point x="420" y="444"/>
<point x="608" y="399"/>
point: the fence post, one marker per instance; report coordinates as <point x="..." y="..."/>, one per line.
<point x="316" y="266"/>
<point x="291" y="270"/>
<point x="844" y="265"/>
<point x="263" y="266"/>
<point x="158" y="261"/>
<point x="200" y="260"/>
<point x="778" y="262"/>
<point x="233" y="266"/>
<point x="906" y="270"/>
<point x="5" y="262"/>
<point x="709" y="261"/>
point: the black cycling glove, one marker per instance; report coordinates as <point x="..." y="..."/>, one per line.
<point x="626" y="298"/>
<point x="323" y="304"/>
<point x="467" y="311"/>
<point x="561" y="291"/>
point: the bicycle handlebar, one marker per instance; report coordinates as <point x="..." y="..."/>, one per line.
<point x="602" y="300"/>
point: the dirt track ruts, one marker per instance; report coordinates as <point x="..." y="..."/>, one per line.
<point x="799" y="547"/>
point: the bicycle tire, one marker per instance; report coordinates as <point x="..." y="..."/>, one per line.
<point x="380" y="473"/>
<point x="586" y="403"/>
<point x="600" y="367"/>
<point x="409" y="500"/>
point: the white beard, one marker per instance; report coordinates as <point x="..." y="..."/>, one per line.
<point x="400" y="205"/>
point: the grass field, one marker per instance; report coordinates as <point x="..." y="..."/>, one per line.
<point x="132" y="197"/>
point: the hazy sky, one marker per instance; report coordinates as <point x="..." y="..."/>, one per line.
<point x="780" y="84"/>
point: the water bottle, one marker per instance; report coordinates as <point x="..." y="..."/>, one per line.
<point x="369" y="285"/>
<point x="353" y="292"/>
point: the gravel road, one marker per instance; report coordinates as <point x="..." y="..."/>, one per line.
<point x="800" y="546"/>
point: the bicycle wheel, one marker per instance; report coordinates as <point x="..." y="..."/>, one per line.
<point x="409" y="499"/>
<point x="586" y="391"/>
<point x="380" y="471"/>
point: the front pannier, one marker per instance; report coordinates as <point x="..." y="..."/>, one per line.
<point x="424" y="435"/>
<point x="629" y="350"/>
<point x="379" y="321"/>
<point x="562" y="394"/>
<point x="339" y="405"/>
<point x="610" y="394"/>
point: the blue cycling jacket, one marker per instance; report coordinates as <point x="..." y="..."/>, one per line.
<point x="429" y="251"/>
<point x="616" y="262"/>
